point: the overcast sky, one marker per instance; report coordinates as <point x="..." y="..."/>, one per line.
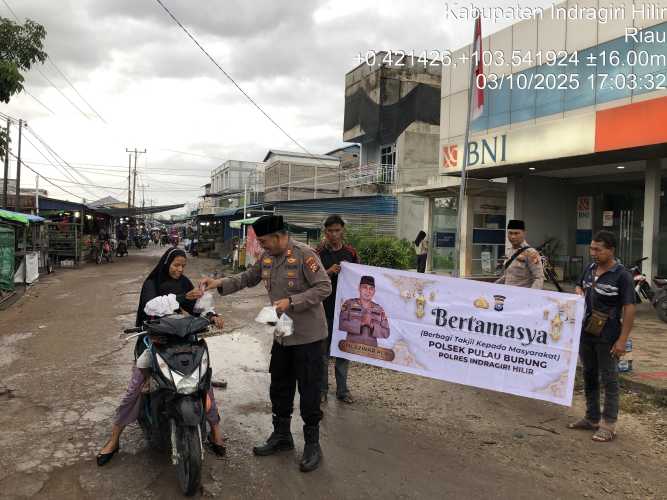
<point x="157" y="91"/>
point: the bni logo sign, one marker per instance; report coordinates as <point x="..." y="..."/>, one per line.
<point x="450" y="156"/>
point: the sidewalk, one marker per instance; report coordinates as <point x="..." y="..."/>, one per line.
<point x="649" y="353"/>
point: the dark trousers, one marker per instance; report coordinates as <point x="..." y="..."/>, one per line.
<point x="342" y="366"/>
<point x="421" y="263"/>
<point x="599" y="365"/>
<point x="296" y="366"/>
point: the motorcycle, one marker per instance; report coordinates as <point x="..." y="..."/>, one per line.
<point x="104" y="252"/>
<point x="644" y="292"/>
<point x="660" y="298"/>
<point x="173" y="412"/>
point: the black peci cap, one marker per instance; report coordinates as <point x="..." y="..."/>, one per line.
<point x="516" y="224"/>
<point x="367" y="280"/>
<point x="268" y="224"/>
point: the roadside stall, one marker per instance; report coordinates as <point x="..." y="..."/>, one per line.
<point x="21" y="244"/>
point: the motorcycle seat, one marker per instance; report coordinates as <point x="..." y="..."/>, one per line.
<point x="180" y="327"/>
<point x="660" y="281"/>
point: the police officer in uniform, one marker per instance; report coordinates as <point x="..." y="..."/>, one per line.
<point x="362" y="319"/>
<point x="297" y="284"/>
<point x="524" y="266"/>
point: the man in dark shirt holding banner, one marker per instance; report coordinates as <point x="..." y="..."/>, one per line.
<point x="332" y="252"/>
<point x="610" y="312"/>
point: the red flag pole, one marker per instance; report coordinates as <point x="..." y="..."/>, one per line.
<point x="475" y="59"/>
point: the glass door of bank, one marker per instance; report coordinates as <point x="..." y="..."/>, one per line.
<point x="623" y="214"/>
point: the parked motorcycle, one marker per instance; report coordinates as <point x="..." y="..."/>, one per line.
<point x="173" y="412"/>
<point x="644" y="292"/>
<point x="660" y="298"/>
<point x="547" y="265"/>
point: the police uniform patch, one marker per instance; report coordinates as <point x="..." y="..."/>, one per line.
<point x="290" y="283"/>
<point x="291" y="274"/>
<point x="291" y="260"/>
<point x="312" y="264"/>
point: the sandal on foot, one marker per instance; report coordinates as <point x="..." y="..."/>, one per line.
<point x="105" y="458"/>
<point x="584" y="424"/>
<point x="603" y="435"/>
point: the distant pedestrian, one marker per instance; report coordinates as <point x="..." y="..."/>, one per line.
<point x="421" y="247"/>
<point x="332" y="252"/>
<point x="610" y="312"/>
<point x="524" y="267"/>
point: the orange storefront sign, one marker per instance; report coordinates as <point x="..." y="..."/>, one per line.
<point x="637" y="124"/>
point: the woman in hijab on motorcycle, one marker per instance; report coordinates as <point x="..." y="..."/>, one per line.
<point x="165" y="279"/>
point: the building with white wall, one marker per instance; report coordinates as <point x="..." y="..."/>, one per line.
<point x="291" y="175"/>
<point x="572" y="138"/>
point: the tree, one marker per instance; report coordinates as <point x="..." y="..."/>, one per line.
<point x="21" y="46"/>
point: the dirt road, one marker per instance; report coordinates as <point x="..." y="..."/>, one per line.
<point x="63" y="369"/>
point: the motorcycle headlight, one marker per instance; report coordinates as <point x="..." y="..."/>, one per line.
<point x="203" y="366"/>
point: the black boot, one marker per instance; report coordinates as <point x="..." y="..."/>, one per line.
<point x="312" y="453"/>
<point x="279" y="440"/>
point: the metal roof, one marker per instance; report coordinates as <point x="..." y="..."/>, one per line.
<point x="298" y="155"/>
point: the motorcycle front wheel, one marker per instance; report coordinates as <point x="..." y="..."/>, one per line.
<point x="188" y="445"/>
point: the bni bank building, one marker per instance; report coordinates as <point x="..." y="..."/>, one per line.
<point x="572" y="139"/>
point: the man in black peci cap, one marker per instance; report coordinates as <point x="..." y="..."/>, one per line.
<point x="297" y="284"/>
<point x="524" y="266"/>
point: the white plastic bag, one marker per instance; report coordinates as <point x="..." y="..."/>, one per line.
<point x="162" y="305"/>
<point x="267" y="316"/>
<point x="204" y="304"/>
<point x="284" y="326"/>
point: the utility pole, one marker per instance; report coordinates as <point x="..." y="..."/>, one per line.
<point x="5" y="179"/>
<point x="37" y="194"/>
<point x="134" y="182"/>
<point x="18" y="170"/>
<point x="129" y="183"/>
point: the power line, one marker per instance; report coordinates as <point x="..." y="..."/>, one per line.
<point x="252" y="101"/>
<point x="193" y="154"/>
<point x="39" y="102"/>
<point x="75" y="90"/>
<point x="58" y="167"/>
<point x="62" y="93"/>
<point x="23" y="163"/>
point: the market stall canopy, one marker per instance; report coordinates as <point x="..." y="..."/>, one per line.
<point x="132" y="212"/>
<point x="311" y="231"/>
<point x="19" y="217"/>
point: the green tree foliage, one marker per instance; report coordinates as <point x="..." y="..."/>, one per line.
<point x="380" y="250"/>
<point x="21" y="46"/>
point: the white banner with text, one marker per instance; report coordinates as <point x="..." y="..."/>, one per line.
<point x="508" y="339"/>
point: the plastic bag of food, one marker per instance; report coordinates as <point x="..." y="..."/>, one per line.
<point x="267" y="316"/>
<point x="204" y="304"/>
<point x="284" y="326"/>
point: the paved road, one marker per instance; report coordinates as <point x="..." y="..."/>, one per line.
<point x="407" y="437"/>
